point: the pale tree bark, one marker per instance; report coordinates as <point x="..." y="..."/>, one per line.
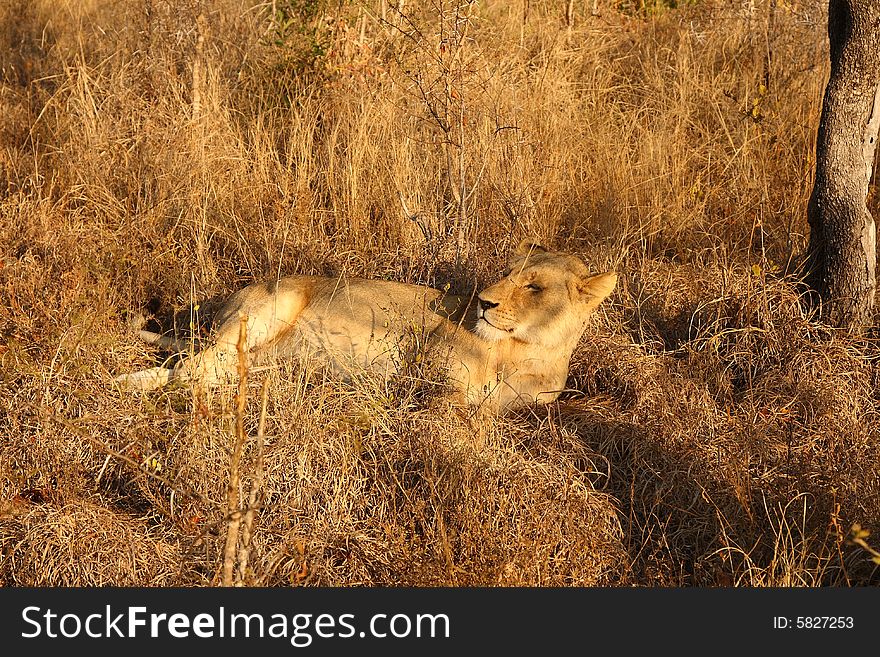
<point x="842" y="250"/>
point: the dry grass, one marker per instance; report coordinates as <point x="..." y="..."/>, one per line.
<point x="155" y="153"/>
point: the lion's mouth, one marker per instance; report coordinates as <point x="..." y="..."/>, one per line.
<point x="497" y="328"/>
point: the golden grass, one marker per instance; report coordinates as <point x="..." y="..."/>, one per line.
<point x="155" y="154"/>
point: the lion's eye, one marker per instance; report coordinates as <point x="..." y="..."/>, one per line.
<point x="534" y="288"/>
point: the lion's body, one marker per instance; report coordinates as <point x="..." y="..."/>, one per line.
<point x="508" y="346"/>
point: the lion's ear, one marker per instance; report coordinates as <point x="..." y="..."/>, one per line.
<point x="528" y="247"/>
<point x="596" y="289"/>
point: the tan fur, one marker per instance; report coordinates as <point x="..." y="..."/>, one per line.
<point x="508" y="346"/>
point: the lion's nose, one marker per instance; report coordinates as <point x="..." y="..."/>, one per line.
<point x="485" y="305"/>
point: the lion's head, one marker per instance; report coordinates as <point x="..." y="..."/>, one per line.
<point x="544" y="298"/>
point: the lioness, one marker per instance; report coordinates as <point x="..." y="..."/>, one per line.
<point x="508" y="346"/>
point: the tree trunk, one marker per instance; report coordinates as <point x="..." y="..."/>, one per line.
<point x="842" y="250"/>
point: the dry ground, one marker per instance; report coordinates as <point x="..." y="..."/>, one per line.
<point x="154" y="154"/>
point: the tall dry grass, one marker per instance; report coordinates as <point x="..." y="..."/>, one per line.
<point x="155" y="154"/>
